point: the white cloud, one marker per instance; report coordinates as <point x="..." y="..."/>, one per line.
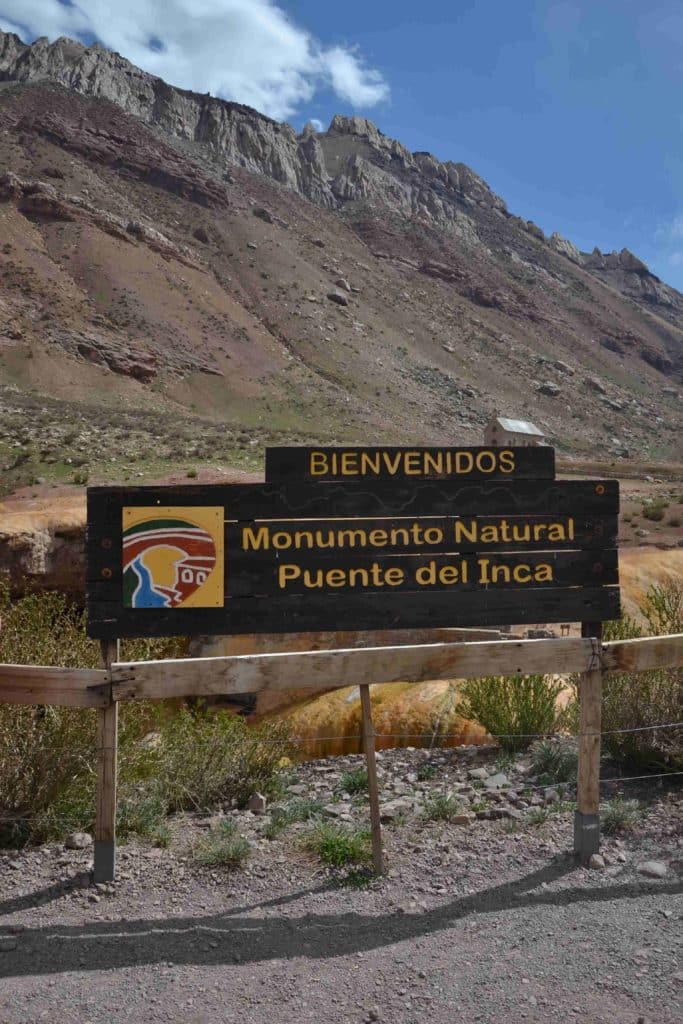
<point x="317" y="125"/>
<point x="676" y="227"/>
<point x="9" y="26"/>
<point x="244" y="50"/>
<point x="352" y="81"/>
<point x="676" y="258"/>
<point x="670" y="231"/>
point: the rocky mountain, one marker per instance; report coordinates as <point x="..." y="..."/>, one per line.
<point x="175" y="258"/>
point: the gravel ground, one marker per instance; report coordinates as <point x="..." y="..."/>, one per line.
<point x="490" y="921"/>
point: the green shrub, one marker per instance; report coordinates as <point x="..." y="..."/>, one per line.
<point x="337" y="846"/>
<point x="505" y="761"/>
<point x="442" y="807"/>
<point x="655" y="510"/>
<point x="358" y="878"/>
<point x="512" y="707"/>
<point x="555" y="759"/>
<point x="638" y="699"/>
<point x="426" y="771"/>
<point x="538" y="815"/>
<point x="620" y="815"/>
<point x="47" y="755"/>
<point x="223" y="847"/>
<point x="297" y="810"/>
<point x="635" y="700"/>
<point x="354" y="781"/>
<point x="213" y="757"/>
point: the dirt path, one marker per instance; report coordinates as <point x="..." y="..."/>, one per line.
<point x="470" y="924"/>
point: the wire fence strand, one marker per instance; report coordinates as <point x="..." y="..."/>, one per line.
<point x="429" y="734"/>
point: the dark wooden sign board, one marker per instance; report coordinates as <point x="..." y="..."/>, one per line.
<point x="395" y="552"/>
<point x="348" y="464"/>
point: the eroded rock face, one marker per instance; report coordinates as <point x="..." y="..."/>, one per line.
<point x="43" y="544"/>
<point x="353" y="160"/>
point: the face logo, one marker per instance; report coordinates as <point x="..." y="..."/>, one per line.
<point x="173" y="557"/>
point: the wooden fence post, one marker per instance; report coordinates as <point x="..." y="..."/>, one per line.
<point x="587" y="816"/>
<point x="107" y="743"/>
<point x="373" y="788"/>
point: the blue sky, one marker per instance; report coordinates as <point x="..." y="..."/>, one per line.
<point x="570" y="109"/>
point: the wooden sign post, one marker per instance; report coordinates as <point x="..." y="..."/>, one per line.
<point x="587" y="815"/>
<point x="359" y="538"/>
<point x="104" y="867"/>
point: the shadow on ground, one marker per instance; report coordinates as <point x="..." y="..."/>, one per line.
<point x="229" y="937"/>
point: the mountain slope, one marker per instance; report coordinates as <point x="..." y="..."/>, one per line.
<point x="167" y="262"/>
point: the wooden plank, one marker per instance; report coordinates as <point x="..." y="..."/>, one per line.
<point x="277" y="643"/>
<point x="302" y="613"/>
<point x="322" y="465"/>
<point x="587" y="819"/>
<point x="368" y="732"/>
<point x="326" y="538"/>
<point x="335" y="669"/>
<point x="63" y="687"/>
<point x="643" y="653"/>
<point x="341" y="500"/>
<point x="419" y="573"/>
<point x="107" y="750"/>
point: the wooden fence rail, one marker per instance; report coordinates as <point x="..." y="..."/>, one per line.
<point x="251" y="673"/>
<point x="103" y="689"/>
<point x="63" y="687"/>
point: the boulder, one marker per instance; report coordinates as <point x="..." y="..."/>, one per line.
<point x="595" y="384"/>
<point x="78" y="841"/>
<point x="263" y="214"/>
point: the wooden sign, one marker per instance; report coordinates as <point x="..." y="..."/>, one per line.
<point x="323" y="465"/>
<point x="384" y="554"/>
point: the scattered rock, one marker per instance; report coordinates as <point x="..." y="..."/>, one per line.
<point x="263" y="214"/>
<point x="496" y="781"/>
<point x="394" y="809"/>
<point x="548" y="388"/>
<point x="595" y="384"/>
<point x="78" y="841"/>
<point x="257" y="803"/>
<point x="338" y="297"/>
<point x="201" y="235"/>
<point x="596" y="862"/>
<point x="336" y="810"/>
<point x="653" y="869"/>
<point x="341" y="282"/>
<point x="252" y="245"/>
<point x="478" y="773"/>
